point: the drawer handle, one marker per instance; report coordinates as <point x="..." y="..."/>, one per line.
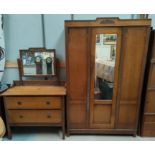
<point x="48" y="116"/>
<point x="20" y="116"/>
<point x="48" y="103"/>
<point x="19" y="103"/>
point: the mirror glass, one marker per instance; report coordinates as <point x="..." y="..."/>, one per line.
<point x="105" y="56"/>
<point x="38" y="62"/>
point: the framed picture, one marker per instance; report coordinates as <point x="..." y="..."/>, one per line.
<point x="98" y="39"/>
<point x="38" y="62"/>
<point x="113" y="52"/>
<point x="109" y="39"/>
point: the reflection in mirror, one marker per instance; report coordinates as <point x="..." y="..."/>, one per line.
<point x="105" y="56"/>
<point x="38" y="62"/>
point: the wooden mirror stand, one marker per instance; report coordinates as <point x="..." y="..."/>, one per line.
<point x="42" y="79"/>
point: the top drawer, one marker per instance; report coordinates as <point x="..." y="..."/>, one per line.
<point x="33" y="102"/>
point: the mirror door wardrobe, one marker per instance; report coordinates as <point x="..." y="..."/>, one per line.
<point x="105" y="58"/>
<point x="105" y="61"/>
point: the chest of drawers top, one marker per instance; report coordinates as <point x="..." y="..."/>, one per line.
<point x="35" y="91"/>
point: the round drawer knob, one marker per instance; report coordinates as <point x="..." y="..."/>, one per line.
<point x="19" y="103"/>
<point x="20" y="116"/>
<point x="48" y="103"/>
<point x="48" y="116"/>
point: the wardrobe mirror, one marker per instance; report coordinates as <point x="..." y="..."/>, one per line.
<point x="105" y="56"/>
<point x="38" y="62"/>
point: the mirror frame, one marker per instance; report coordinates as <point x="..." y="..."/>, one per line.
<point x="37" y="50"/>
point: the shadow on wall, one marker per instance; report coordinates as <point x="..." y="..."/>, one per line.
<point x="60" y="53"/>
<point x="60" y="46"/>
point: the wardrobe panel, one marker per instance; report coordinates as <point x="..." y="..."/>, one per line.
<point x="149" y="126"/>
<point x="133" y="53"/>
<point x="131" y="71"/>
<point x="150" y="102"/>
<point x="77" y="116"/>
<point x="149" y="118"/>
<point x="77" y="63"/>
<point x="127" y="116"/>
<point x="152" y="76"/>
<point x="153" y="48"/>
<point x="102" y="114"/>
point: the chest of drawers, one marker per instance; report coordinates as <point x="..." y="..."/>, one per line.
<point x="35" y="106"/>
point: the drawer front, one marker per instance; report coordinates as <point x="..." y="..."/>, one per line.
<point x="33" y="102"/>
<point x="34" y="116"/>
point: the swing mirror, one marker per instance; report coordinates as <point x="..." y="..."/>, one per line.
<point x="38" y="62"/>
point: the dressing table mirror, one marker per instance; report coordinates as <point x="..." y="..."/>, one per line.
<point x="38" y="62"/>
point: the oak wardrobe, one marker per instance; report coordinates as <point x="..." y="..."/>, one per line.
<point x="105" y="62"/>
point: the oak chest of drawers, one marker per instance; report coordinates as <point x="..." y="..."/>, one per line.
<point x="35" y="106"/>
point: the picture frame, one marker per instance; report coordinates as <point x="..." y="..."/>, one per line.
<point x="98" y="39"/>
<point x="113" y="52"/>
<point x="109" y="39"/>
<point x="38" y="62"/>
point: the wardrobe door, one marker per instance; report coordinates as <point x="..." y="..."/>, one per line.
<point x="133" y="57"/>
<point x="77" y="75"/>
<point x="105" y="57"/>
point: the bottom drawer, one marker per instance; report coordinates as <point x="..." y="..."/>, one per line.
<point x="34" y="116"/>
